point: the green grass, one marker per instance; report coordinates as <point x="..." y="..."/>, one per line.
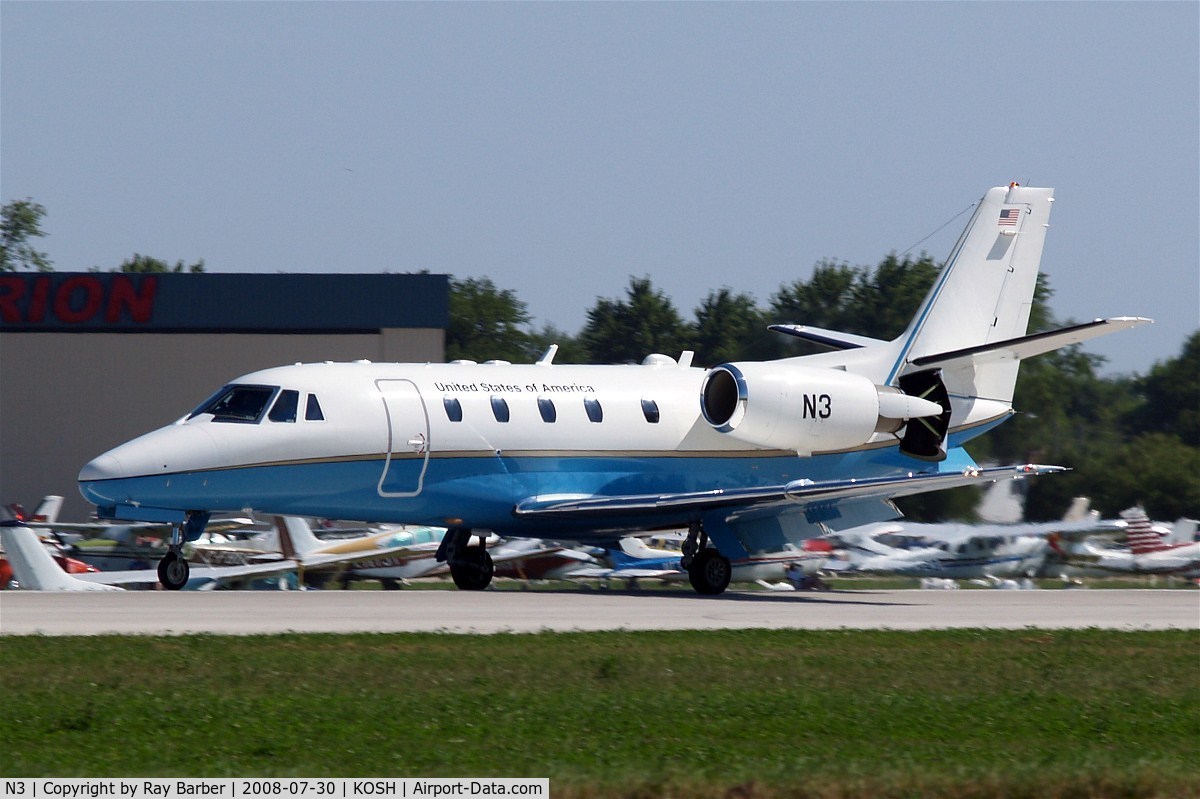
<point x="651" y="714"/>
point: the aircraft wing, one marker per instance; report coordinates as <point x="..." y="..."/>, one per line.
<point x="156" y="529"/>
<point x="214" y="573"/>
<point x="802" y="492"/>
<point x="334" y="560"/>
<point x="626" y="574"/>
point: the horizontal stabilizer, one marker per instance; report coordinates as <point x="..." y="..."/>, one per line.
<point x="1029" y="346"/>
<point x="827" y="338"/>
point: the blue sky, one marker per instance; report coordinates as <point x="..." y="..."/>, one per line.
<point x="561" y="148"/>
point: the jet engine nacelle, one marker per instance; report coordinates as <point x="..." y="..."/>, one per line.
<point x="803" y="408"/>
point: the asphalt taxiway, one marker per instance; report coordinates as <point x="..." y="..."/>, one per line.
<point x="253" y="612"/>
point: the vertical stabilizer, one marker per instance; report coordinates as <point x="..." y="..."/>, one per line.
<point x="35" y="569"/>
<point x="296" y="539"/>
<point x="984" y="293"/>
<point x="1140" y="534"/>
<point x="48" y="509"/>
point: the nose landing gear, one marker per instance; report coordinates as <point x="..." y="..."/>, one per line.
<point x="173" y="569"/>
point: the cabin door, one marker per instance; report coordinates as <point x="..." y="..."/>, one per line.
<point x="407" y="439"/>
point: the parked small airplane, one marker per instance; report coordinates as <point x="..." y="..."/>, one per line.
<point x="120" y="547"/>
<point x="975" y="557"/>
<point x="963" y="551"/>
<point x="534" y="559"/>
<point x="36" y="570"/>
<point x="634" y="559"/>
<point x="749" y="456"/>
<point x="1150" y="551"/>
<point x="46" y="512"/>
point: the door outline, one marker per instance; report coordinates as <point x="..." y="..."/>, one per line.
<point x="399" y="395"/>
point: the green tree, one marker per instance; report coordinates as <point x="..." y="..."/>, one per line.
<point x="1157" y="471"/>
<point x="21" y="221"/>
<point x="730" y="327"/>
<point x="625" y="331"/>
<point x="1172" y="396"/>
<point x="144" y="264"/>
<point x="486" y="323"/>
<point x="570" y="350"/>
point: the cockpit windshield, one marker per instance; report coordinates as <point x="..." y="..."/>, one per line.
<point x="236" y="403"/>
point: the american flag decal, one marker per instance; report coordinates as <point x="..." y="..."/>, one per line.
<point x="1009" y="216"/>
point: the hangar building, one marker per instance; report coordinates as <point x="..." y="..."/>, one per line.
<point x="89" y="360"/>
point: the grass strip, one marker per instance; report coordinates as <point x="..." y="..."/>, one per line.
<point x="755" y="713"/>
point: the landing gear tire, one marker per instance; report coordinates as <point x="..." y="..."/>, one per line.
<point x="710" y="572"/>
<point x="173" y="571"/>
<point x="472" y="570"/>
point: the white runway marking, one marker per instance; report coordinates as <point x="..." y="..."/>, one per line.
<point x="250" y="612"/>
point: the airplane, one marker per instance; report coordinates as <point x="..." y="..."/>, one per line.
<point x="46" y="511"/>
<point x="1150" y="551"/>
<point x="36" y="570"/>
<point x="980" y="556"/>
<point x="964" y="551"/>
<point x="748" y="456"/>
<point x="535" y="559"/>
<point x="633" y="559"/>
<point x="114" y="547"/>
<point x="391" y="554"/>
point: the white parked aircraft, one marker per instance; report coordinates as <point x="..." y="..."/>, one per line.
<point x="1149" y="552"/>
<point x="633" y="559"/>
<point x="748" y="456"/>
<point x="965" y="551"/>
<point x="973" y="557"/>
<point x="36" y="570"/>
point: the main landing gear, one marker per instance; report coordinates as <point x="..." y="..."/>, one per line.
<point x="708" y="570"/>
<point x="471" y="567"/>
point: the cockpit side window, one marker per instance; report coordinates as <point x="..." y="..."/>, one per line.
<point x="312" y="410"/>
<point x="236" y="403"/>
<point x="284" y="409"/>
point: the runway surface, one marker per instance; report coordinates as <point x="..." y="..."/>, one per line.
<point x="251" y="612"/>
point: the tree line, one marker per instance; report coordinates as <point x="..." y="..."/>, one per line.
<point x="1129" y="439"/>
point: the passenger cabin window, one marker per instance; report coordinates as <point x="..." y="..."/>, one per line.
<point x="650" y="411"/>
<point x="235" y="403"/>
<point x="453" y="408"/>
<point x="500" y="409"/>
<point x="546" y="406"/>
<point x="312" y="410"/>
<point x="284" y="409"/>
<point x="594" y="411"/>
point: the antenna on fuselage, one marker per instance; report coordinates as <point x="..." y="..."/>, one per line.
<point x="548" y="356"/>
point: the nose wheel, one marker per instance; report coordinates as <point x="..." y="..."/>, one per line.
<point x="173" y="571"/>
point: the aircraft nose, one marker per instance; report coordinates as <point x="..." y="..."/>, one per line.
<point x="104" y="467"/>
